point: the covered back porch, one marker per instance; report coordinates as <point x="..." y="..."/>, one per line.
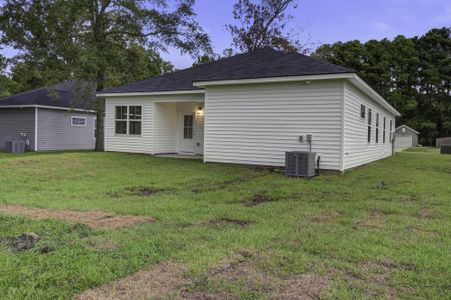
<point x="178" y="128"/>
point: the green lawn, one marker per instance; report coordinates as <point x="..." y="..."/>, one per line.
<point x="361" y="239"/>
<point x="423" y="150"/>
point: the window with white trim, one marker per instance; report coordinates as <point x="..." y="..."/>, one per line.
<point x="78" y="121"/>
<point x="377" y="127"/>
<point x="391" y="131"/>
<point x="383" y="137"/>
<point x="128" y="120"/>
<point x="362" y="111"/>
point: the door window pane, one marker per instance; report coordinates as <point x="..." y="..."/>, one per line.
<point x="188" y="124"/>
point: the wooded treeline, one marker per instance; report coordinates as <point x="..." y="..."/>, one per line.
<point x="412" y="74"/>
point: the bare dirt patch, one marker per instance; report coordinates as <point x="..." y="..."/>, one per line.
<point x="257" y="199"/>
<point x="428" y="213"/>
<point x="375" y="219"/>
<point x="306" y="287"/>
<point x="326" y="217"/>
<point x="94" y="219"/>
<point x="162" y="281"/>
<point x="143" y="191"/>
<point x="242" y="269"/>
<point x="226" y="221"/>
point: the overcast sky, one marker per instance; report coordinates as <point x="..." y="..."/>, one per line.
<point x="328" y="21"/>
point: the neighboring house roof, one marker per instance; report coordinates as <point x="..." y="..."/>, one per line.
<point x="262" y="63"/>
<point x="405" y="126"/>
<point x="67" y="95"/>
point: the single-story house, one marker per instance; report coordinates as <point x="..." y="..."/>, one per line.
<point x="405" y="137"/>
<point x="48" y="119"/>
<point x="250" y="109"/>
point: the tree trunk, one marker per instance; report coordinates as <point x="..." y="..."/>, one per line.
<point x="100" y="140"/>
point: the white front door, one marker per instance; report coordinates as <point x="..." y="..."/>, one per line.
<point x="187" y="133"/>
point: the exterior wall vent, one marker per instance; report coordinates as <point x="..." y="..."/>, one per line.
<point x="15" y="146"/>
<point x="300" y="164"/>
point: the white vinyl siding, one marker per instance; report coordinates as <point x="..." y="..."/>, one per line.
<point x="257" y="123"/>
<point x="56" y="132"/>
<point x="165" y="128"/>
<point x="128" y="143"/>
<point x="357" y="150"/>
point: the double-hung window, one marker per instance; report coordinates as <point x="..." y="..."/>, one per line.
<point x="369" y="125"/>
<point x="383" y="137"/>
<point x="391" y="128"/>
<point x="377" y="127"/>
<point x="128" y="120"/>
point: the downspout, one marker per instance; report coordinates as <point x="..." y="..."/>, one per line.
<point x="342" y="139"/>
<point x="35" y="129"/>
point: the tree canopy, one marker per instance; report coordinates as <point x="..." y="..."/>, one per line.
<point x="263" y="24"/>
<point x="413" y="74"/>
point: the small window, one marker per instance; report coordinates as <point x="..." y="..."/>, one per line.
<point x="383" y="136"/>
<point x="78" y="121"/>
<point x="369" y="125"/>
<point x="377" y="128"/>
<point x="391" y="129"/>
<point x="121" y="120"/>
<point x="362" y="111"/>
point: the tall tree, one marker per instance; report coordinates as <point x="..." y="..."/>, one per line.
<point x="94" y="37"/>
<point x="413" y="74"/>
<point x="263" y="24"/>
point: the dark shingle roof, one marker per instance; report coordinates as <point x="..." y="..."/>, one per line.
<point x="261" y="63"/>
<point x="67" y="95"/>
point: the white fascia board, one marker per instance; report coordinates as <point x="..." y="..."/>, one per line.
<point x="274" y="79"/>
<point x="49" y="107"/>
<point x="150" y="93"/>
<point x="362" y="85"/>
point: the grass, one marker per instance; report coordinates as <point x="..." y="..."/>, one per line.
<point x="365" y="239"/>
<point x="423" y="150"/>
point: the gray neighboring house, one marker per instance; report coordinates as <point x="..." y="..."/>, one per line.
<point x="48" y="119"/>
<point x="405" y="137"/>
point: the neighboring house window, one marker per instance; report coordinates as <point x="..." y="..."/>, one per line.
<point x="78" y="121"/>
<point x="362" y="111"/>
<point x="369" y="125"/>
<point x="128" y="120"/>
<point x="383" y="137"/>
<point x="377" y="128"/>
<point x="94" y="126"/>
